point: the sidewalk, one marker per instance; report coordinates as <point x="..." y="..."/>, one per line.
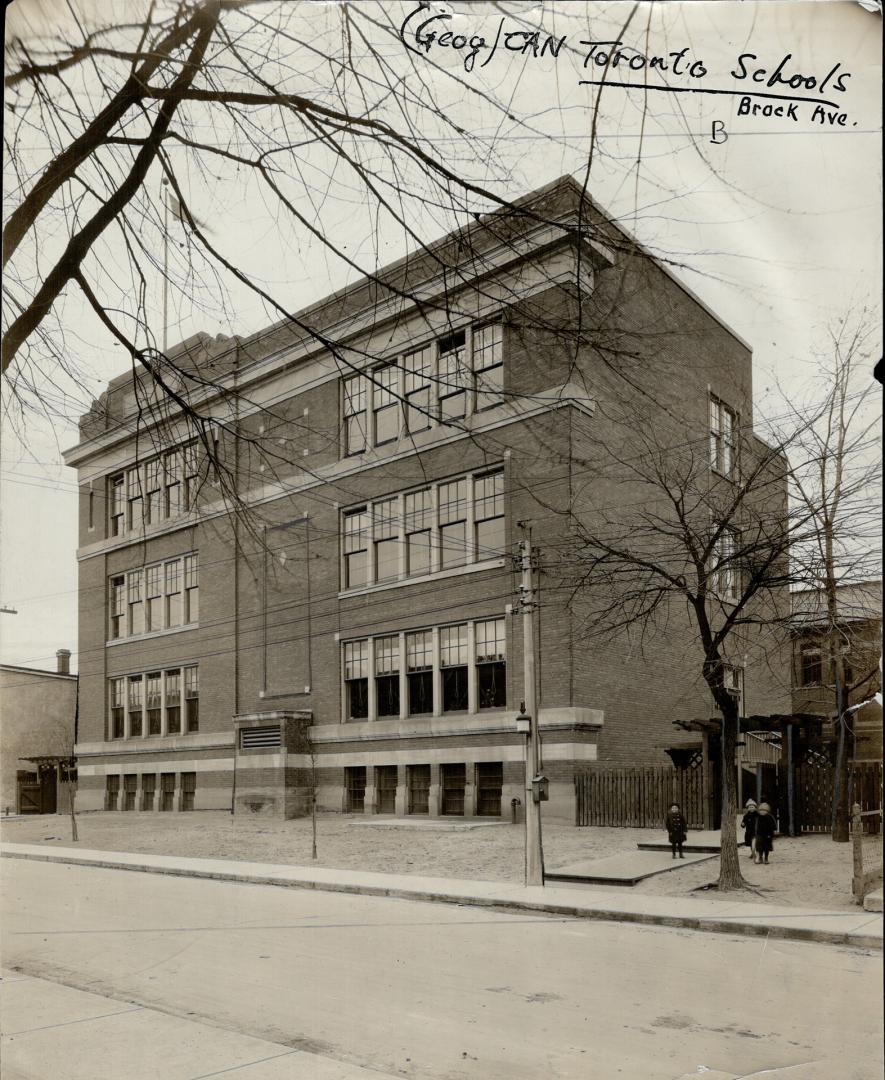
<point x="54" y="1030"/>
<point x="857" y="928"/>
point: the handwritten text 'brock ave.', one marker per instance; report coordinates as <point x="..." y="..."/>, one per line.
<point x="422" y="32"/>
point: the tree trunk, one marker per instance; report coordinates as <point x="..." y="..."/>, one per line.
<point x="730" y="876"/>
<point x="841" y="816"/>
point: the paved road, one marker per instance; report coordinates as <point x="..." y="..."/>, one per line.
<point x="423" y="990"/>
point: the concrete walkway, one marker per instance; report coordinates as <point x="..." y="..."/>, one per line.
<point x="858" y="928"/>
<point x="626" y="868"/>
<point x="49" y="1029"/>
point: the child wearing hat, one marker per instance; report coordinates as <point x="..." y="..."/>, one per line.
<point x="748" y="823"/>
<point x="676" y="829"/>
<point x="765" y="826"/>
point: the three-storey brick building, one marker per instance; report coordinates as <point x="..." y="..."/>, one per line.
<point x="333" y="605"/>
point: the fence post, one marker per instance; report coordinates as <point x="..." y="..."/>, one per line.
<point x="857" y="882"/>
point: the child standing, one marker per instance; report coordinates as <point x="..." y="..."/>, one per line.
<point x="748" y="823"/>
<point x="676" y="829"/>
<point x="765" y="826"/>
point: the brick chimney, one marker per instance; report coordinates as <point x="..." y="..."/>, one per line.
<point x="63" y="661"/>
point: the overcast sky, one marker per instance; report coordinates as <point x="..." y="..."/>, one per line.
<point x="778" y="228"/>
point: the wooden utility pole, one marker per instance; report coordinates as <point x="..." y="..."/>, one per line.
<point x="534" y="855"/>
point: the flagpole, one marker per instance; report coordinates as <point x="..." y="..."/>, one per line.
<point x="165" y="267"/>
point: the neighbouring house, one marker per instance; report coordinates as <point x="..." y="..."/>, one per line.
<point x="38" y="711"/>
<point x="857" y="632"/>
<point x="333" y="612"/>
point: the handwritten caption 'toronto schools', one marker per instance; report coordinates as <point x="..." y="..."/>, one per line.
<point x="764" y="90"/>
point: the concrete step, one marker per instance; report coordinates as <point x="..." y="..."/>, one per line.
<point x="873" y="901"/>
<point x="625" y="869"/>
<point x="699" y="840"/>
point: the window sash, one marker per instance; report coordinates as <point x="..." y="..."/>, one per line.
<point x="488" y="495"/>
<point x="490" y="637"/>
<point x="356" y="659"/>
<point x="387" y="655"/>
<point x="453" y="501"/>
<point x="419" y="651"/>
<point x="419" y="510"/>
<point x="453" y="646"/>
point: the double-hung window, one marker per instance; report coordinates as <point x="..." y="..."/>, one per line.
<point x="488" y="514"/>
<point x="161" y="596"/>
<point x="135" y="586"/>
<point x="154" y="494"/>
<point x="418" y="367"/>
<point x="174" y="607"/>
<point x="118" y="708"/>
<point x="439" y="527"/>
<point x="191" y="589"/>
<point x="191" y="475"/>
<point x="136" y="687"/>
<point x="173" y="701"/>
<point x="453" y="376"/>
<point x="154" y="702"/>
<point x="117" y="497"/>
<point x="356" y="528"/>
<point x="134" y="498"/>
<point x="488" y="365"/>
<point x="356" y="679"/>
<point x="172" y="477"/>
<point x="723" y="426"/>
<point x="387" y="668"/>
<point x="118" y="606"/>
<point x="453" y="667"/>
<point x="192" y="698"/>
<point x="419" y="671"/>
<point x="154" y="590"/>
<point x="386" y="539"/>
<point x="453" y="523"/>
<point x="385" y="405"/>
<point x="419" y="525"/>
<point x="810" y="664"/>
<point x="725" y="575"/>
<point x="150" y="703"/>
<point x="153" y="491"/>
<point x="354" y="414"/>
<point x="491" y="664"/>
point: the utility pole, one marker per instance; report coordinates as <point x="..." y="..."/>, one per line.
<point x="165" y="197"/>
<point x="534" y="855"/>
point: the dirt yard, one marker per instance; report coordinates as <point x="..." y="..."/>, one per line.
<point x="809" y="871"/>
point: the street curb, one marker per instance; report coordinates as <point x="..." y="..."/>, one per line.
<point x="709" y="924"/>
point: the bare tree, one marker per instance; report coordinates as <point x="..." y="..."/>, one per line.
<point x="694" y="555"/>
<point x="835" y="479"/>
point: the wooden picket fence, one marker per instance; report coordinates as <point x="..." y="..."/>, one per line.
<point x="639" y="797"/>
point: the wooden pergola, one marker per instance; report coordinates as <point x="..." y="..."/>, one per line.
<point x="798" y="733"/>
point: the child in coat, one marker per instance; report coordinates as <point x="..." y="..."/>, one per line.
<point x="748" y="823"/>
<point x="676" y="829"/>
<point x="765" y="826"/>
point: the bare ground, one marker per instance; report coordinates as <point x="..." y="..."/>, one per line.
<point x="807" y="871"/>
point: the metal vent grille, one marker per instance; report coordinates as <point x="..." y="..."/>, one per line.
<point x="260" y="736"/>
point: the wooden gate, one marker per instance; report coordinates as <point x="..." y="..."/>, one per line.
<point x="37" y="791"/>
<point x="813" y="785"/>
<point x="815" y="779"/>
<point x="638" y="797"/>
<point x="865" y="787"/>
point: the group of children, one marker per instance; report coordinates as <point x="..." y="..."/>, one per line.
<point x="758" y="825"/>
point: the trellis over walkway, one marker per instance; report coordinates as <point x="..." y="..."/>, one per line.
<point x="804" y="771"/>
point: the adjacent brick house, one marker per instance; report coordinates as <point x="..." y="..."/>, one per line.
<point x="39" y="713"/>
<point x="353" y="621"/>
<point x="859" y="630"/>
